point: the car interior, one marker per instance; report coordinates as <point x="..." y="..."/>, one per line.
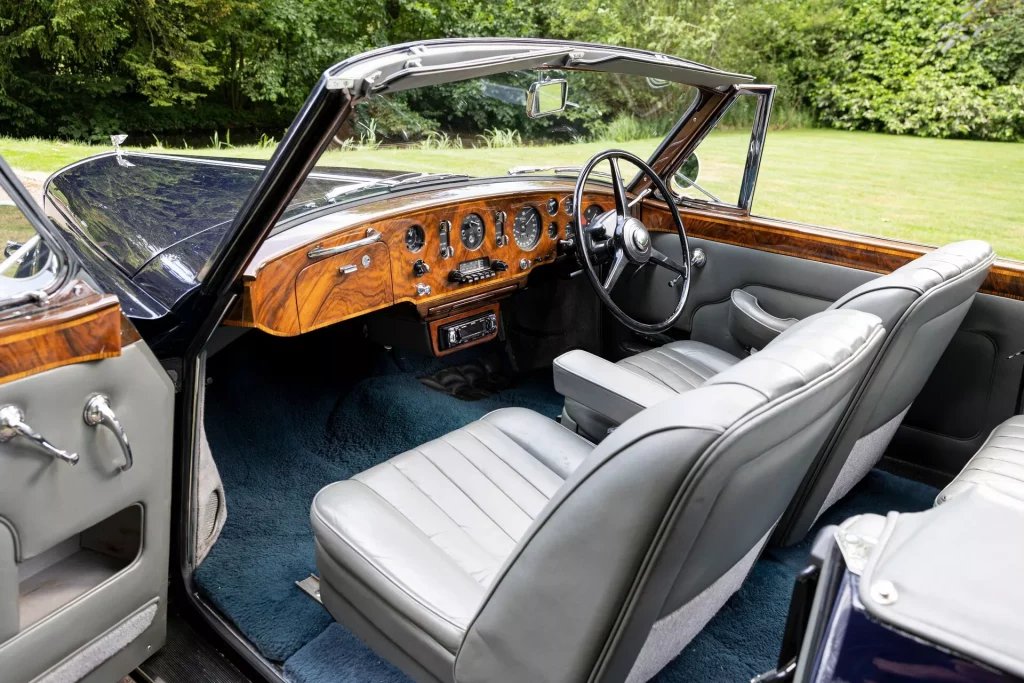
<point x="483" y="514"/>
<point x="544" y="426"/>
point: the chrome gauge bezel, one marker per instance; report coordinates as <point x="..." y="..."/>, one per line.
<point x="519" y="226"/>
<point x="467" y="223"/>
<point x="594" y="209"/>
<point x="415" y="238"/>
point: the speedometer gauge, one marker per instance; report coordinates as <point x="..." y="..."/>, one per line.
<point x="472" y="231"/>
<point x="526" y="227"/>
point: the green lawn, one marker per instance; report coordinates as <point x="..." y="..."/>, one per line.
<point x="916" y="189"/>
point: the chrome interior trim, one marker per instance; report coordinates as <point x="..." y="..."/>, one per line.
<point x="98" y="412"/>
<point x="758" y="132"/>
<point x="371" y="237"/>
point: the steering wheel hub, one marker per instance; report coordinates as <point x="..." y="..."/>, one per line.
<point x="637" y="240"/>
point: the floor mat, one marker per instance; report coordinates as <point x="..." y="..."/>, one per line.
<point x="282" y="425"/>
<point x="481" y="378"/>
<point x="739" y="643"/>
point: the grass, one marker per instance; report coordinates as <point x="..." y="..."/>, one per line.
<point x="915" y="189"/>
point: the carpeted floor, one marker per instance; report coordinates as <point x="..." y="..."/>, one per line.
<point x="284" y="418"/>
<point x="282" y="429"/>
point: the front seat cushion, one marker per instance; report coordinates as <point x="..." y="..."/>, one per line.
<point x="428" y="530"/>
<point x="680" y="366"/>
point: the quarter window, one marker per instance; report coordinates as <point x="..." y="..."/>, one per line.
<point x="721" y="158"/>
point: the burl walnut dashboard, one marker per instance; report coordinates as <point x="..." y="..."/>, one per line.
<point x="445" y="251"/>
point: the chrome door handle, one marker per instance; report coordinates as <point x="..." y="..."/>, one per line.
<point x="12" y="424"/>
<point x="98" y="412"/>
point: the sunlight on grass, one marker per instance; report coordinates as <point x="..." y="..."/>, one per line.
<point x="13" y="226"/>
<point x="916" y="189"/>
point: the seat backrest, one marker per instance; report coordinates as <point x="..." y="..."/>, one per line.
<point x="666" y="505"/>
<point x="921" y="304"/>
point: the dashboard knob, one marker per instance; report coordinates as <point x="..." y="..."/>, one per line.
<point x="524" y="263"/>
<point x="420" y="268"/>
<point x="499" y="266"/>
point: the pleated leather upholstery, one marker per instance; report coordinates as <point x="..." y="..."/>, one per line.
<point x="999" y="464"/>
<point x="681" y="365"/>
<point x="438" y="521"/>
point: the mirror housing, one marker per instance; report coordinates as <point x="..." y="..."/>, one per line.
<point x="686" y="175"/>
<point x="546" y="97"/>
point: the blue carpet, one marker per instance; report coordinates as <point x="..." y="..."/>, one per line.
<point x="285" y="418"/>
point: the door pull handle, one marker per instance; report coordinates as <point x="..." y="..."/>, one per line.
<point x="12" y="424"/>
<point x="98" y="412"/>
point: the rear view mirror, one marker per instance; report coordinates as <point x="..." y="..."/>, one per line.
<point x="546" y="97"/>
<point x="687" y="174"/>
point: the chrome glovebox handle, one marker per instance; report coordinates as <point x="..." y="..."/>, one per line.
<point x="319" y="250"/>
<point x="98" y="412"/>
<point x="12" y="424"/>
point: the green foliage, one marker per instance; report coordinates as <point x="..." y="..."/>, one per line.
<point x="84" y="69"/>
<point x="626" y="127"/>
<point x="502" y="138"/>
<point x="886" y="70"/>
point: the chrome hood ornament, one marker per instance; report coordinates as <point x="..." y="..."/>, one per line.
<point x="117" y="141"/>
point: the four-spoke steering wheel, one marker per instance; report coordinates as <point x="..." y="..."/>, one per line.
<point x="615" y="240"/>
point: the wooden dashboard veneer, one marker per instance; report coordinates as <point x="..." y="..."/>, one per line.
<point x="340" y="286"/>
<point x="290" y="293"/>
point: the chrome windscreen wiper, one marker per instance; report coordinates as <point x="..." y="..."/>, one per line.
<point x="400" y="180"/>
<point x="556" y="170"/>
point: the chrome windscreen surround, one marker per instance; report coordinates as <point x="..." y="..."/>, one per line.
<point x="432" y="62"/>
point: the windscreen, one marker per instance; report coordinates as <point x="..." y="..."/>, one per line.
<point x="482" y="128"/>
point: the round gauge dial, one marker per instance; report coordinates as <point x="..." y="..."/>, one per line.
<point x="414" y="238"/>
<point x="590" y="213"/>
<point x="552" y="206"/>
<point x="526" y="227"/>
<point x="472" y="231"/>
<point x="553" y="230"/>
<point x="568" y="206"/>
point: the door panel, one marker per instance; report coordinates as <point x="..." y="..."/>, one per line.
<point x="796" y="270"/>
<point x="89" y="540"/>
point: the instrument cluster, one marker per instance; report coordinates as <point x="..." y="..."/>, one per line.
<point x="529" y="224"/>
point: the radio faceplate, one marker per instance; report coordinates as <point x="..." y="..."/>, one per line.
<point x="467" y="330"/>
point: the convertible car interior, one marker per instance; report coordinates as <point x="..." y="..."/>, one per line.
<point x="593" y="421"/>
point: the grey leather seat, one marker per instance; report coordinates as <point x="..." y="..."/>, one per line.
<point x="514" y="550"/>
<point x="921" y="305"/>
<point x="998" y="464"/>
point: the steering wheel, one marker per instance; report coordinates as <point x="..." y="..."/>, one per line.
<point x="616" y="239"/>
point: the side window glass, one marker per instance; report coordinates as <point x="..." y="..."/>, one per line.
<point x="26" y="262"/>
<point x="714" y="173"/>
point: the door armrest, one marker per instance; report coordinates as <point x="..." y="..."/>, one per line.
<point x="605" y="387"/>
<point x="752" y="326"/>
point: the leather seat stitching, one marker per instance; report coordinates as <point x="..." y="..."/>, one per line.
<point x="355" y="549"/>
<point x="493" y="483"/>
<point x="644" y="372"/>
<point x="653" y="357"/>
<point x="506" y="463"/>
<point x="697" y="367"/>
<point x="444" y="512"/>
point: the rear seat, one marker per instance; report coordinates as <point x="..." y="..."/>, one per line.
<point x="998" y="464"/>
